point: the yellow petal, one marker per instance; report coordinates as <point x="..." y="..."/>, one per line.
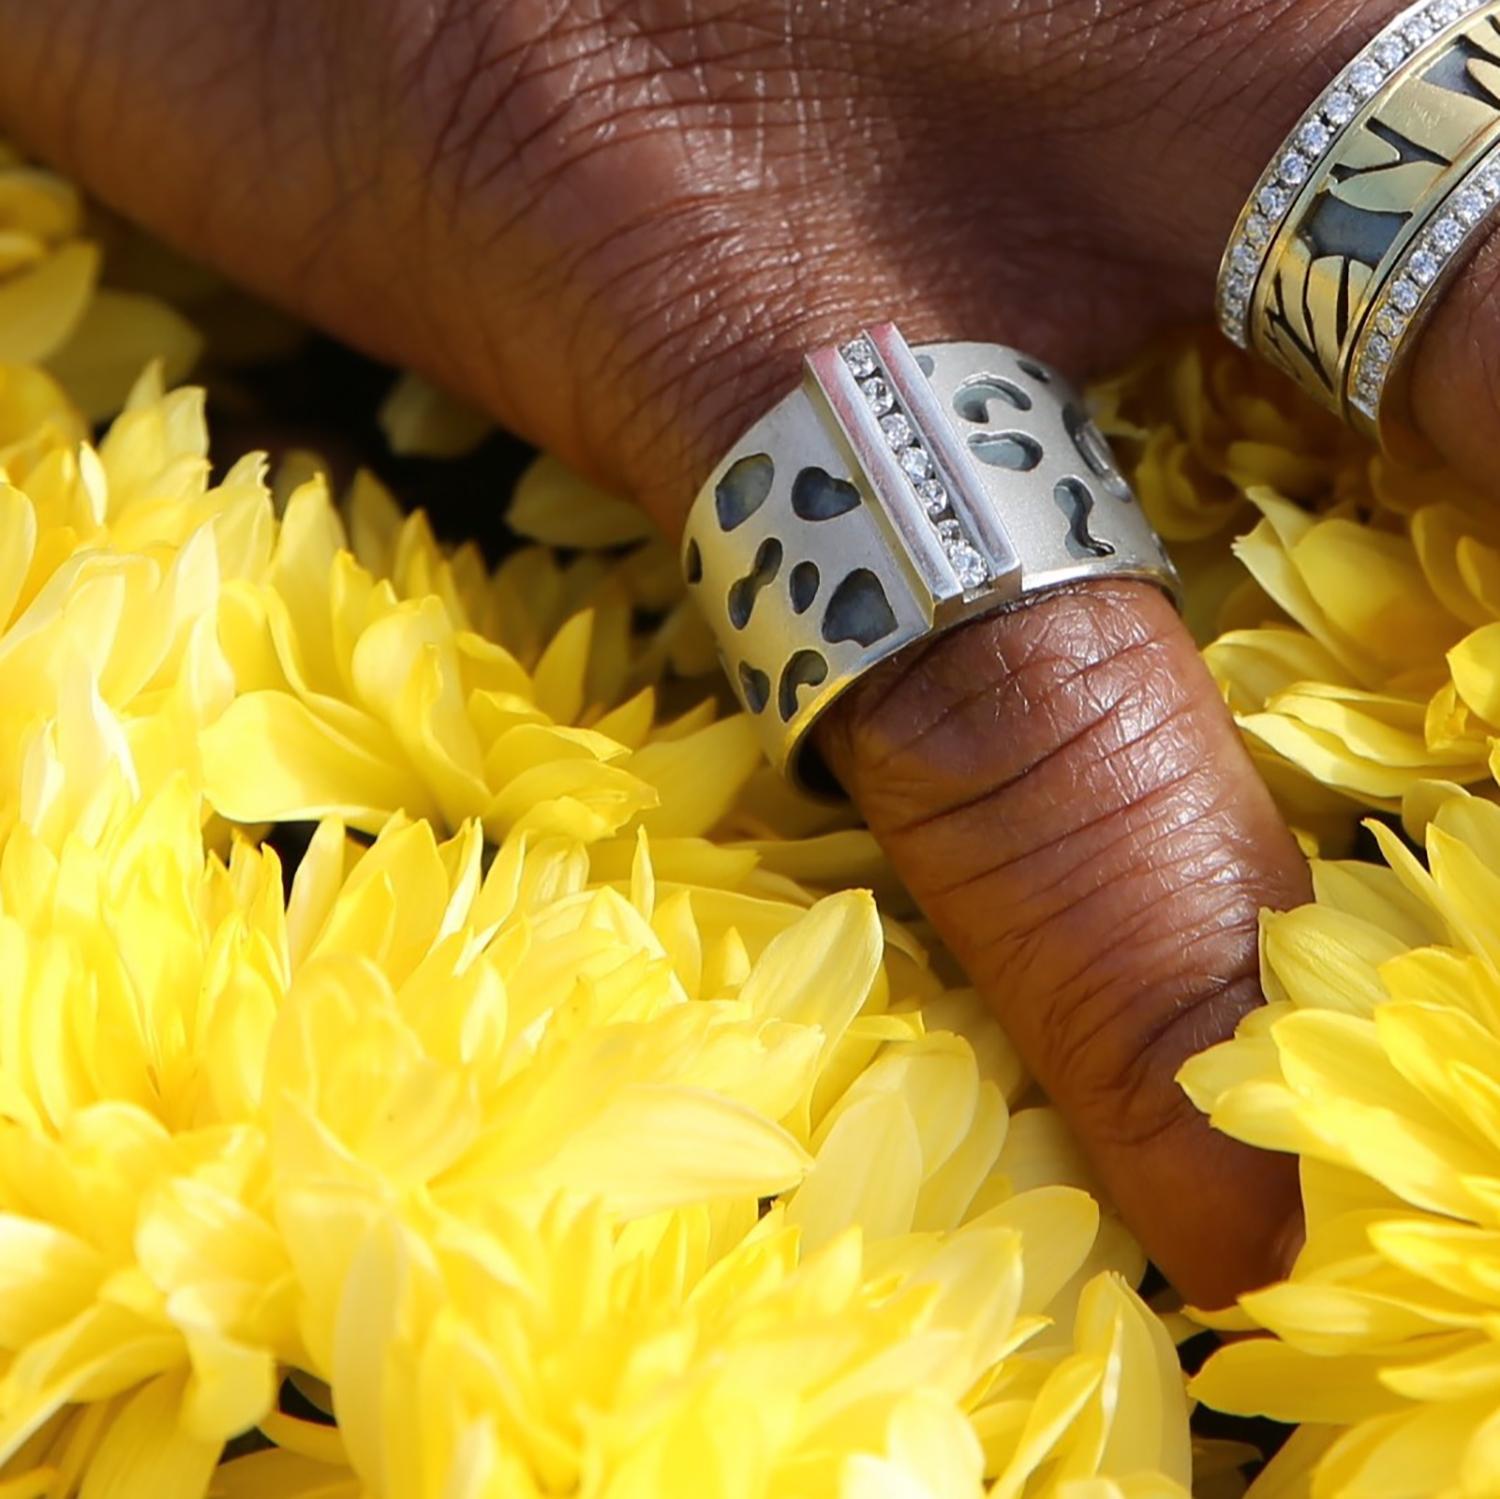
<point x="419" y="420"/>
<point x="553" y="505"/>
<point x="118" y="335"/>
<point x="41" y="307"/>
<point x="270" y="757"/>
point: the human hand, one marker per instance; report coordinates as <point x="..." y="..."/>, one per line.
<point x="618" y="225"/>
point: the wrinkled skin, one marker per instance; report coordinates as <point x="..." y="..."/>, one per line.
<point x="617" y="223"/>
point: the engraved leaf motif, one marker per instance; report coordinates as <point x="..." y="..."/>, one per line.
<point x="1396" y="187"/>
<point x="1487" y="76"/>
<point x="1366" y="152"/>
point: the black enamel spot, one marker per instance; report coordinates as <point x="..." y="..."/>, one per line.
<point x="1094" y="451"/>
<point x="802" y="585"/>
<point x="817" y="495"/>
<point x="1013" y="450"/>
<point x="858" y="610"/>
<point x="972" y="402"/>
<point x="743" y="489"/>
<point x="805" y="669"/>
<point x="1077" y="503"/>
<point x="1035" y="370"/>
<point x="742" y="594"/>
<point x="692" y="563"/>
<point x="756" y="686"/>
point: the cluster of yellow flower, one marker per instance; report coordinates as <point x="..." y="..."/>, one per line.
<point x="543" y="1133"/>
<point x="1356" y="632"/>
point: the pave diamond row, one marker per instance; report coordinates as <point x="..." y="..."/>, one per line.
<point x="1273" y="197"/>
<point x="916" y="463"/>
<point x="1409" y="288"/>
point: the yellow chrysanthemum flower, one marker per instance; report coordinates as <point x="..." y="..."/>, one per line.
<point x="515" y="1128"/>
<point x="353" y="701"/>
<point x="111" y="565"/>
<point x="583" y="1290"/>
<point x="1201" y="424"/>
<point x="1377" y="1062"/>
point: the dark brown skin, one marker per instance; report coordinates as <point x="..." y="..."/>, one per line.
<point x="617" y="223"/>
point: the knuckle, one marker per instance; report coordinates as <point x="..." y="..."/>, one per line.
<point x="981" y="714"/>
<point x="1054" y="790"/>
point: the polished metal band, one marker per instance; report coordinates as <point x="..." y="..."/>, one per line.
<point x="1372" y="198"/>
<point x="896" y="493"/>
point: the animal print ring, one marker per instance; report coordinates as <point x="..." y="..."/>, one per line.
<point x="895" y="493"/>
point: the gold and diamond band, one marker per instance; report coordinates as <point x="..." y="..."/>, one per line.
<point x="1376" y="197"/>
<point x="895" y="493"/>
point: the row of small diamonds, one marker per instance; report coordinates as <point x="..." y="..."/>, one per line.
<point x="1462" y="214"/>
<point x="1314" y="134"/>
<point x="916" y="463"/>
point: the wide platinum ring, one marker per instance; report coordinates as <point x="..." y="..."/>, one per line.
<point x="896" y="493"/>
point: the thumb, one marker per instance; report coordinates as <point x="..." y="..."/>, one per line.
<point x="1061" y="790"/>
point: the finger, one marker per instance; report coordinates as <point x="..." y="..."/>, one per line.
<point x="584" y="219"/>
<point x="1455" y="376"/>
<point x="1061" y="790"/>
<point x="330" y="222"/>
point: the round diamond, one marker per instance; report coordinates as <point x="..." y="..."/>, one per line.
<point x="1237" y="287"/>
<point x="1390" y="322"/>
<point x="1314" y="136"/>
<point x="1294" y="168"/>
<point x="916" y="462"/>
<point x="878" y="394"/>
<point x="859" y="355"/>
<point x="968" y="565"/>
<point x="1388" y="51"/>
<point x="1468" y="206"/>
<point x="897" y="430"/>
<point x="1378" y="350"/>
<point x="1364" y="78"/>
<point x="1364" y="403"/>
<point x="1418" y="31"/>
<point x="933" y="496"/>
<point x="1273" y="199"/>
<point x="1444" y="12"/>
<point x="1489" y="183"/>
<point x="1423" y="267"/>
<point x="1405" y="295"/>
<point x="1339" y="107"/>
<point x="1244" y="258"/>
<point x="1446" y="236"/>
<point x="950" y="530"/>
<point x="1257" y="229"/>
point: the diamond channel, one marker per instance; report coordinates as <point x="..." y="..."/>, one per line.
<point x="862" y="359"/>
<point x="1415" y="277"/>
